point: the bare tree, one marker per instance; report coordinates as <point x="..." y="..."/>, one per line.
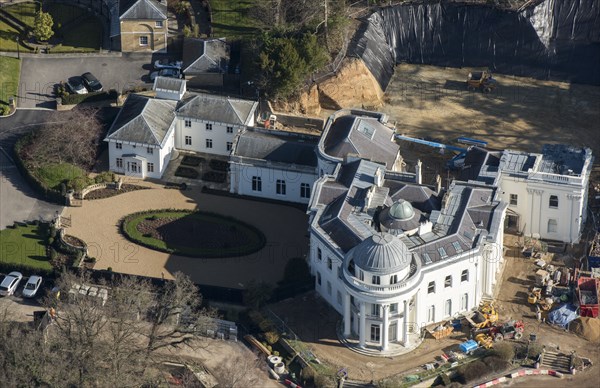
<point x="176" y="317"/>
<point x="71" y="137"/>
<point x="240" y="371"/>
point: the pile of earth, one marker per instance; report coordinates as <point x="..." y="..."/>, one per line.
<point x="586" y="327"/>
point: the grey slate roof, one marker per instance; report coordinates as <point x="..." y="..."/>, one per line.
<point x="468" y="211"/>
<point x="277" y="147"/>
<point x="205" y="56"/>
<point x="173" y="85"/>
<point x="143" y="120"/>
<point x="218" y="109"/>
<point x="142" y="10"/>
<point x="361" y="135"/>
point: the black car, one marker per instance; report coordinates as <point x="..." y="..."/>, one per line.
<point x="91" y="82"/>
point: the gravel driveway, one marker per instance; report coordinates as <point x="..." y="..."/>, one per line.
<point x="39" y="75"/>
<point x="97" y="223"/>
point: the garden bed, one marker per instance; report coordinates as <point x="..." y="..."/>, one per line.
<point x="194" y="234"/>
<point x="219" y="165"/>
<point x="193" y="161"/>
<point x="214" y="176"/>
<point x="186" y="172"/>
<point x="110" y="192"/>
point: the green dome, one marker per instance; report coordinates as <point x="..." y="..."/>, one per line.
<point x="402" y="210"/>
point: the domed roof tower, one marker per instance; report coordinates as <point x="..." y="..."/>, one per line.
<point x="381" y="253"/>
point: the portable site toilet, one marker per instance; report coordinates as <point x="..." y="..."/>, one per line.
<point x="468" y="346"/>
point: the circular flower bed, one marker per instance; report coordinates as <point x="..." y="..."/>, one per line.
<point x="194" y="234"/>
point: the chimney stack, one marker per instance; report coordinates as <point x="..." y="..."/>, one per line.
<point x="418" y="177"/>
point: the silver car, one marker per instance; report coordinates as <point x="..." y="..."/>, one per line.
<point x="32" y="286"/>
<point x="10" y="283"/>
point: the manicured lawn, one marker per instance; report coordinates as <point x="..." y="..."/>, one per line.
<point x="231" y="19"/>
<point x="8" y="37"/>
<point x="25" y="12"/>
<point x="195" y="234"/>
<point x="9" y="78"/>
<point x="82" y="38"/>
<point x="52" y="175"/>
<point x="76" y="29"/>
<point x="25" y="245"/>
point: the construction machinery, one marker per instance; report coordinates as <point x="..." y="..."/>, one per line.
<point x="484" y="340"/>
<point x="534" y="295"/>
<point x="485" y="316"/>
<point x="481" y="80"/>
<point x="509" y="330"/>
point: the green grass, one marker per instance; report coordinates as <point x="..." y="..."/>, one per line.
<point x="24" y="246"/>
<point x="80" y="31"/>
<point x="130" y="223"/>
<point x="8" y="37"/>
<point x="231" y="18"/>
<point x="25" y="12"/>
<point x="52" y="175"/>
<point x="84" y="37"/>
<point x="9" y="78"/>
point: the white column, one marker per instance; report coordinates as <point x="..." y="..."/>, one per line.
<point x="363" y="324"/>
<point x="405" y="340"/>
<point x="386" y="327"/>
<point x="347" y="327"/>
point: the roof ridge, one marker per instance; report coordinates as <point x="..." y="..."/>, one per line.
<point x="153" y="6"/>
<point x="235" y="111"/>
<point x="148" y="126"/>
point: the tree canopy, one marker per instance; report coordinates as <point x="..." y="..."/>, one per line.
<point x="286" y="61"/>
<point x="42" y="26"/>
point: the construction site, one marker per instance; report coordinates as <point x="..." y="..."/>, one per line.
<point x="546" y="302"/>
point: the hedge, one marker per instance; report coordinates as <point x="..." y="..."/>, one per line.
<point x="75" y="98"/>
<point x="47" y="193"/>
<point x="26" y="270"/>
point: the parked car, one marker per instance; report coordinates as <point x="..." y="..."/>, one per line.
<point x="32" y="286"/>
<point x="75" y="85"/>
<point x="167" y="64"/>
<point x="171" y="73"/>
<point x="10" y="283"/>
<point x="91" y="82"/>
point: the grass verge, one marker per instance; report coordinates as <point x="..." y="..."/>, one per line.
<point x="52" y="175"/>
<point x="9" y="78"/>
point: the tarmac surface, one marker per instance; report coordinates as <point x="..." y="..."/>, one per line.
<point x="97" y="223"/>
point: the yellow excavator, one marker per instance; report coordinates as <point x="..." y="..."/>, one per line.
<point x="484" y="317"/>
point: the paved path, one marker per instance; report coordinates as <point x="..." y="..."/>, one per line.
<point x="97" y="223"/>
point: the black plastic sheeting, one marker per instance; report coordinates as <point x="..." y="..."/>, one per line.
<point x="557" y="39"/>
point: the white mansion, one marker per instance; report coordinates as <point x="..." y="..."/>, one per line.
<point x="389" y="253"/>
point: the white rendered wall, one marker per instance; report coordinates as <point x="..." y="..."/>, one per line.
<point x="241" y="182"/>
<point x="199" y="134"/>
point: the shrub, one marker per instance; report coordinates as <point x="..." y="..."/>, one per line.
<point x="73" y="99"/>
<point x="181" y="7"/>
<point x="272" y="337"/>
<point x="534" y="350"/>
<point x="496" y="364"/>
<point x="471" y="372"/>
<point x="50" y="241"/>
<point x="4" y="110"/>
<point x="504" y="350"/>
